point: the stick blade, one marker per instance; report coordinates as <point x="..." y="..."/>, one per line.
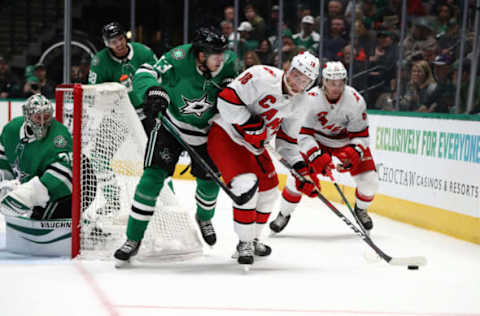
<point x="409" y="261"/>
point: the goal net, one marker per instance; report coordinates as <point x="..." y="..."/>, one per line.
<point x="108" y="148"/>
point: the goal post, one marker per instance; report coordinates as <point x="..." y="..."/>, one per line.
<point x="107" y="163"/>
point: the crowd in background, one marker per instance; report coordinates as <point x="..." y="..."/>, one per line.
<point x="429" y="67"/>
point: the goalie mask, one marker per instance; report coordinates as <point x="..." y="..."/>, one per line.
<point x="38" y="115"/>
<point x="303" y="72"/>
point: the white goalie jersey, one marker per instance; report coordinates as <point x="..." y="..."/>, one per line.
<point x="334" y="125"/>
<point x="258" y="91"/>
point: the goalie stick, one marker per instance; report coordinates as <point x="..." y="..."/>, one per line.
<point x="399" y="261"/>
<point x="240" y="200"/>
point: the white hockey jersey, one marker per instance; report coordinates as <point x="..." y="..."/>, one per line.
<point x="334" y="125"/>
<point x="258" y="91"/>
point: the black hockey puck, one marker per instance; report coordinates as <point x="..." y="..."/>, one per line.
<point x="412" y="267"/>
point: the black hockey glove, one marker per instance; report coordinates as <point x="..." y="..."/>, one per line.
<point x="156" y="101"/>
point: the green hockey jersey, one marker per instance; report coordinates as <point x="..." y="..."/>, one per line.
<point x="48" y="158"/>
<point x="105" y="67"/>
<point x="192" y="95"/>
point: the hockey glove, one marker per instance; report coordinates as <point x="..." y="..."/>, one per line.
<point x="253" y="131"/>
<point x="350" y="156"/>
<point x="320" y="161"/>
<point x="6" y="186"/>
<point x="24" y="197"/>
<point x="156" y="101"/>
<point x="311" y="185"/>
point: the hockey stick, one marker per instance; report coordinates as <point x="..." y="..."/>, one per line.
<point x="403" y="261"/>
<point x="240" y="200"/>
<point x="344" y="198"/>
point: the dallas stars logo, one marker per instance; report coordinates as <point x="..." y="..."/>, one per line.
<point x="196" y="107"/>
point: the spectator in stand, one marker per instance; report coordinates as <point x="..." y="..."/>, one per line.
<point x="227" y="30"/>
<point x="9" y="83"/>
<point x="256" y="21"/>
<point x="444" y="97"/>
<point x="272" y="27"/>
<point x="372" y="15"/>
<point x="265" y="52"/>
<point x="422" y="32"/>
<point x="307" y="37"/>
<point x="450" y="40"/>
<point x="229" y="14"/>
<point x="246" y="43"/>
<point x="445" y="12"/>
<point x="250" y="59"/>
<point x="466" y="69"/>
<point x="419" y="94"/>
<point x="359" y="65"/>
<point x="285" y="32"/>
<point x="365" y="40"/>
<point x="335" y="39"/>
<point x="79" y="71"/>
<point x="430" y="50"/>
<point x="385" y="57"/>
<point x="288" y="47"/>
<point x="38" y="83"/>
<point x="335" y="9"/>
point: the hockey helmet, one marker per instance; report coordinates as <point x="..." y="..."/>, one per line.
<point x="38" y="115"/>
<point x="209" y="40"/>
<point x="334" y="70"/>
<point x="112" y="30"/>
<point x="306" y="64"/>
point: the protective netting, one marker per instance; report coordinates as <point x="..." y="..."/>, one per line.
<point x="113" y="143"/>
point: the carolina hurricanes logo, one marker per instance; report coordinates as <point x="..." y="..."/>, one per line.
<point x="196" y="106"/>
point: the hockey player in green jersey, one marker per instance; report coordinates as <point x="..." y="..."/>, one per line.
<point x="35" y="155"/>
<point x="116" y="63"/>
<point x="119" y="61"/>
<point x="182" y="86"/>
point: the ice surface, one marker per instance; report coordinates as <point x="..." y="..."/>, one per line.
<point x="317" y="267"/>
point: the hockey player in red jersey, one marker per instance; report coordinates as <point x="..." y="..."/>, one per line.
<point x="260" y="103"/>
<point x="336" y="126"/>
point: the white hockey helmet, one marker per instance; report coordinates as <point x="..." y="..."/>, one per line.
<point x="334" y="70"/>
<point x="308" y="65"/>
<point x="38" y="115"/>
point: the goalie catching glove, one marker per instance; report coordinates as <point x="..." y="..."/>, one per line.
<point x="309" y="185"/>
<point x="21" y="200"/>
<point x="253" y="131"/>
<point x="156" y="101"/>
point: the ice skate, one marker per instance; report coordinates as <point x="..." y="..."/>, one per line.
<point x="207" y="230"/>
<point x="245" y="252"/>
<point x="279" y="223"/>
<point x="123" y="254"/>
<point x="261" y="249"/>
<point x="364" y="218"/>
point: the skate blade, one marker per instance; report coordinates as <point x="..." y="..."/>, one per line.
<point x="119" y="264"/>
<point x="246" y="267"/>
